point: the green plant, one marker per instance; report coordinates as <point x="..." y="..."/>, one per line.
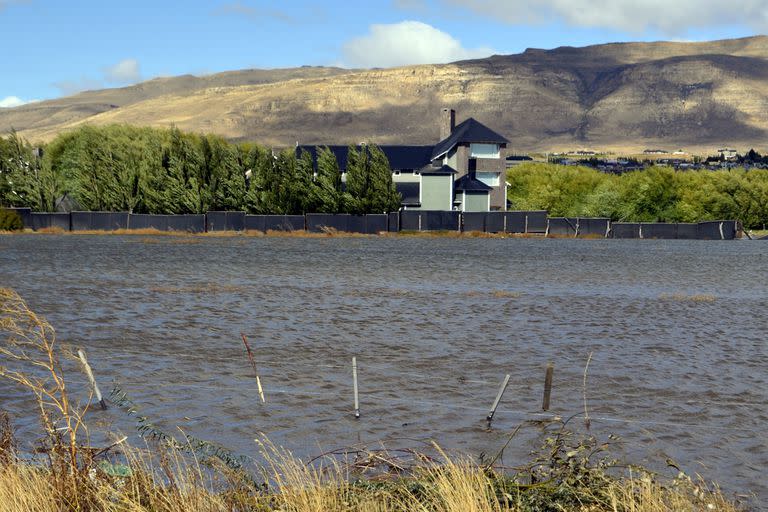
<point x="10" y="221"/>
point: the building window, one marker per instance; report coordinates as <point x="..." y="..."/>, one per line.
<point x="489" y="178"/>
<point x="484" y="150"/>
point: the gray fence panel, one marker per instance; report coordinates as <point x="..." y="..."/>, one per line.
<point x="192" y="223"/>
<point x="516" y="222"/>
<point x="283" y="222"/>
<point x="687" y="231"/>
<point x="99" y="221"/>
<point x="537" y="221"/>
<point x="494" y="222"/>
<point x="561" y="226"/>
<point x="625" y="230"/>
<point x="147" y="221"/>
<point x="225" y="221"/>
<point x="255" y="222"/>
<point x="593" y="226"/>
<point x="410" y="220"/>
<point x="25" y="214"/>
<point x="316" y="222"/>
<point x="450" y="221"/>
<point x="80" y="221"/>
<point x="50" y="220"/>
<point x="473" y="221"/>
<point x="376" y="223"/>
<point x="659" y="230"/>
<point x="393" y="222"/>
<point x="434" y="221"/>
<point x="356" y="224"/>
<point x="712" y="230"/>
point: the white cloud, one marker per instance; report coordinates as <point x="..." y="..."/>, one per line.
<point x="14" y="101"/>
<point x="407" y="42"/>
<point x="125" y="71"/>
<point x="668" y="17"/>
<point x="70" y="87"/>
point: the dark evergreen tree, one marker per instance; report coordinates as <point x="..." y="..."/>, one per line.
<point x="328" y="189"/>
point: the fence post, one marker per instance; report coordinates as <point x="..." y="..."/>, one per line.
<point x="354" y="385"/>
<point x="548" y="386"/>
<point x="497" y="400"/>
<point x="92" y="380"/>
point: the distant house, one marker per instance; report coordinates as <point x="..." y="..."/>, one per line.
<point x="464" y="171"/>
<point x="727" y="153"/>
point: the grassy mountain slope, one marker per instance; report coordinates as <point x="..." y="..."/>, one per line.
<point x="624" y="97"/>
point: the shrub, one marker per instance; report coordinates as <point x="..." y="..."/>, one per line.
<point x="10" y="221"/>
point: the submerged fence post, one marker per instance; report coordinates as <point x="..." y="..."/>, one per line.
<point x="548" y="386"/>
<point x="354" y="386"/>
<point x="252" y="360"/>
<point x="498" y="399"/>
<point x="92" y="380"/>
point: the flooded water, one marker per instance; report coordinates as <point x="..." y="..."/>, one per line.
<point x="677" y="331"/>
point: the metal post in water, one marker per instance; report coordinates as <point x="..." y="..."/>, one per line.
<point x="354" y="386"/>
<point x="92" y="380"/>
<point x="498" y="399"/>
<point x="548" y="386"/>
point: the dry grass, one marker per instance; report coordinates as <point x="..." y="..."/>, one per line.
<point x="172" y="483"/>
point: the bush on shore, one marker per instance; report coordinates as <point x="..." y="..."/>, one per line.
<point x="10" y="221"/>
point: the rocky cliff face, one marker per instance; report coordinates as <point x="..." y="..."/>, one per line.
<point x="621" y="97"/>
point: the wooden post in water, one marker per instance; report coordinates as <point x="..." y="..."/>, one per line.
<point x="253" y="365"/>
<point x="91" y="379"/>
<point x="354" y="387"/>
<point x="498" y="399"/>
<point x="548" y="386"/>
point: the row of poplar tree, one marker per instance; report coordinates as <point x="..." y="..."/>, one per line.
<point x="167" y="171"/>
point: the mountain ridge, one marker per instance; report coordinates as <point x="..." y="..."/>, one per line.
<point x="615" y="96"/>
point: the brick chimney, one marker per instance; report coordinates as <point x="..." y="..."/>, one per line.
<point x="447" y="122"/>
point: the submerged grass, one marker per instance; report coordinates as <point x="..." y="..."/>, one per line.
<point x="682" y="297"/>
<point x="568" y="473"/>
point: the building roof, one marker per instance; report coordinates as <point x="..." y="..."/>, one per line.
<point x="445" y="169"/>
<point x="400" y="157"/>
<point x="468" y="183"/>
<point x="469" y="131"/>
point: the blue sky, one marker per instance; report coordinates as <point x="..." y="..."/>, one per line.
<point x="55" y="48"/>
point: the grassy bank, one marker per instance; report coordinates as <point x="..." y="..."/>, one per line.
<point x="178" y="473"/>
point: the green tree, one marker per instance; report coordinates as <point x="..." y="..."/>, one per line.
<point x="328" y="189"/>
<point x="369" y="182"/>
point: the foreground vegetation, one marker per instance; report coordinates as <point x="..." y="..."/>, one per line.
<point x="569" y="473"/>
<point x="656" y="194"/>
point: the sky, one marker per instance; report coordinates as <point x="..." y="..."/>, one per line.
<point x="54" y="48"/>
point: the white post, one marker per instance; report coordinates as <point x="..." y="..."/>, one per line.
<point x="498" y="399"/>
<point x="92" y="380"/>
<point x="354" y="384"/>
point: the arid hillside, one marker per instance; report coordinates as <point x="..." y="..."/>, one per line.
<point x="623" y="97"/>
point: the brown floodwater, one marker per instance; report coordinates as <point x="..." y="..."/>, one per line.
<point x="678" y="333"/>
